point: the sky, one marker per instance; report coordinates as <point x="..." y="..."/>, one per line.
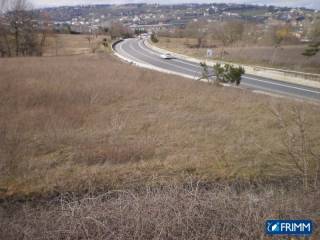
<point x="290" y="3"/>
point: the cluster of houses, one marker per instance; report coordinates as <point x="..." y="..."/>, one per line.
<point x="155" y="17"/>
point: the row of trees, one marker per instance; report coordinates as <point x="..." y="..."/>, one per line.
<point x="224" y="32"/>
<point x="234" y="31"/>
<point x="314" y="30"/>
<point x="117" y="30"/>
<point x="20" y="33"/>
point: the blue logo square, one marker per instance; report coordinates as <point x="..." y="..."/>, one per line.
<point x="289" y="227"/>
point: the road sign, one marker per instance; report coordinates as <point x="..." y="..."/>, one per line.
<point x="209" y="52"/>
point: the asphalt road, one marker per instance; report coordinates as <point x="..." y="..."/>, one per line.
<point x="137" y="51"/>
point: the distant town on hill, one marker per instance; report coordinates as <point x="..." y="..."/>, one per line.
<point x="154" y="17"/>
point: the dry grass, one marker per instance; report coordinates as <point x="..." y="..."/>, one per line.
<point x="288" y="57"/>
<point x="82" y="122"/>
<point x="191" y="161"/>
<point x="68" y="44"/>
<point x="173" y="212"/>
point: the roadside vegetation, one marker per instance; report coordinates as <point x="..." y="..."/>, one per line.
<point x="19" y="35"/>
<point x="246" y="43"/>
<point x="87" y="152"/>
<point x="24" y="32"/>
<point x="93" y="148"/>
<point x="193" y="211"/>
<point x="220" y="74"/>
<point x="76" y="123"/>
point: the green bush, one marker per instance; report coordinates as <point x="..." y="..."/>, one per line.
<point x="312" y="50"/>
<point x="226" y="73"/>
<point x="154" y="38"/>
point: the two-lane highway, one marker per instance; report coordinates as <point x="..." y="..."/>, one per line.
<point x="136" y="51"/>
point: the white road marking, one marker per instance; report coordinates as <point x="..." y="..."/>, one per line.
<point x="163" y="62"/>
<point x="188" y="70"/>
<point x="276" y="92"/>
<point x="283" y="85"/>
<point x="139" y="63"/>
<point x="259" y="80"/>
<point x="130" y="56"/>
<point x="144" y="47"/>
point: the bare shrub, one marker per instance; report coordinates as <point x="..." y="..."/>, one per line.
<point x="69" y="121"/>
<point x="94" y="42"/>
<point x="170" y="212"/>
<point x="118" y="30"/>
<point x="228" y="32"/>
<point x="302" y="149"/>
<point x="17" y="24"/>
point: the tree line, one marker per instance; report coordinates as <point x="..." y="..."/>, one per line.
<point x="231" y="32"/>
<point x="20" y="32"/>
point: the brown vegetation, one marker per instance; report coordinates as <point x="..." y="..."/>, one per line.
<point x="91" y="148"/>
<point x="73" y="123"/>
<point x="236" y="32"/>
<point x="272" y="44"/>
<point x="118" y="30"/>
<point x="69" y="44"/>
<point x="20" y="34"/>
<point x="288" y="57"/>
<point x="173" y="212"/>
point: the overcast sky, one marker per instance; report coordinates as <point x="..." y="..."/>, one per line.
<point x="291" y="3"/>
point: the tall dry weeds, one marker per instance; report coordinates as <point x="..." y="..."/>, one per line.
<point x="171" y="212"/>
<point x="70" y="123"/>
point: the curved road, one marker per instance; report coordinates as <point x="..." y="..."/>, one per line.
<point x="136" y="51"/>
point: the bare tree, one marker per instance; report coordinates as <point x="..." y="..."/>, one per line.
<point x="197" y="30"/>
<point x="20" y="21"/>
<point x="227" y="32"/>
<point x="45" y="31"/>
<point x="118" y="30"/>
<point x="4" y="41"/>
<point x="299" y="146"/>
<point x="19" y="29"/>
<point x="315" y="31"/>
<point x="5" y="48"/>
<point x="251" y="33"/>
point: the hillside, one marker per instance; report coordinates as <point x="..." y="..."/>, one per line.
<point x="91" y="147"/>
<point x="71" y="121"/>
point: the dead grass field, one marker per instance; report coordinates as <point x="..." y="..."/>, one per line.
<point x="287" y="57"/>
<point x="92" y="148"/>
<point x="71" y="44"/>
<point x="84" y="122"/>
<point x="172" y="212"/>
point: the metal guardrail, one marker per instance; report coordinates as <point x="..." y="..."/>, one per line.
<point x="311" y="76"/>
<point x="113" y="44"/>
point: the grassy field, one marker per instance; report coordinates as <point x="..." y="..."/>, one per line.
<point x="92" y="148"/>
<point x="70" y="123"/>
<point x="68" y="44"/>
<point x="286" y="57"/>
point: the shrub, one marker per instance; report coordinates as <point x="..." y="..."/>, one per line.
<point x="154" y="38"/>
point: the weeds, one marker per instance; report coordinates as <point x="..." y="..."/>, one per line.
<point x="67" y="122"/>
<point x="301" y="148"/>
<point x="170" y="212"/>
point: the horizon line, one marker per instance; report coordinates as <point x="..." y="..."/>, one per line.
<point x="168" y="4"/>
